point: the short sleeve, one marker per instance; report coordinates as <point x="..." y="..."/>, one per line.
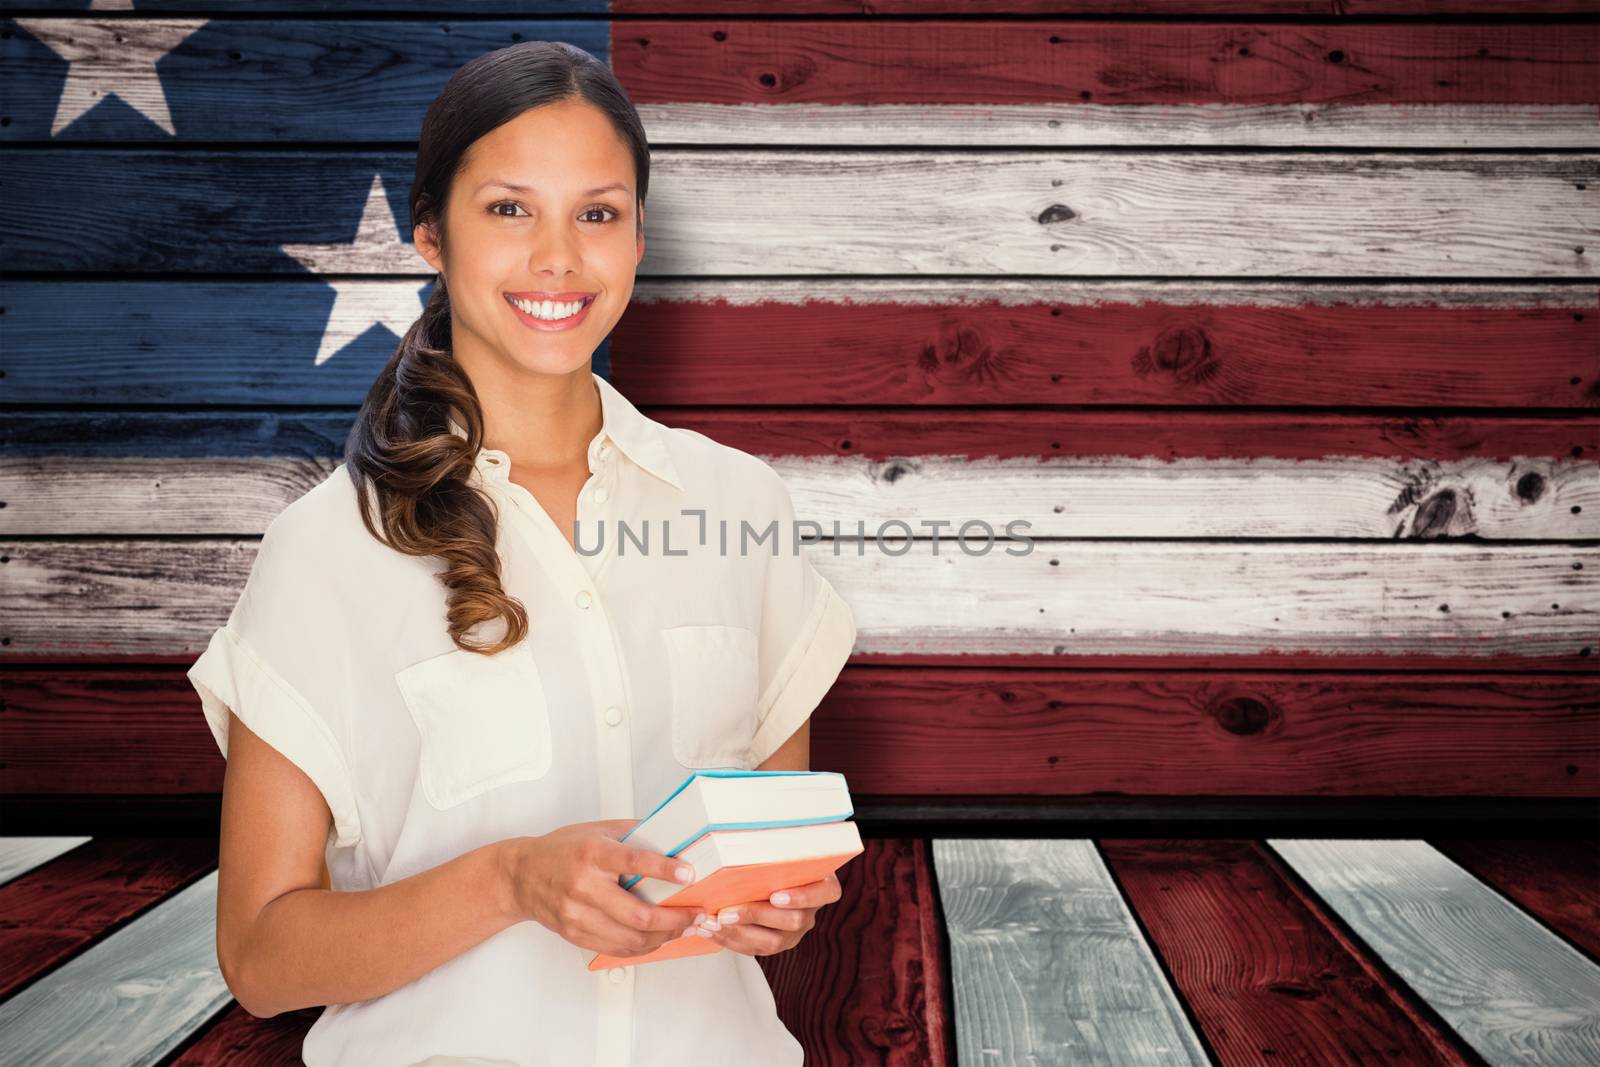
<point x="807" y="633"/>
<point x="273" y="650"/>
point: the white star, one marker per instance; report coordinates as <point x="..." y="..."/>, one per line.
<point x="358" y="305"/>
<point x="111" y="58"/>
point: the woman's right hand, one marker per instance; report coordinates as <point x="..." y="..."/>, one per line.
<point x="567" y="880"/>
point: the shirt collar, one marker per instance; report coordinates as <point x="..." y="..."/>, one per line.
<point x="641" y="438"/>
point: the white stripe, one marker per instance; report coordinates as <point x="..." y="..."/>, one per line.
<point x="128" y="1000"/>
<point x="19" y="855"/>
<point x="1513" y="990"/>
<point x="1078" y="496"/>
<point x="81" y="598"/>
<point x="1046" y="962"/>
<point x="1292" y="125"/>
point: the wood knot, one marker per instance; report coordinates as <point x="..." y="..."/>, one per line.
<point x="1056" y="213"/>
<point x="1183" y="353"/>
<point x="1298" y="990"/>
<point x="896" y="469"/>
<point x="1434" y="515"/>
<point x="962" y="356"/>
<point x="1530" y="487"/>
<point x="1242" y="716"/>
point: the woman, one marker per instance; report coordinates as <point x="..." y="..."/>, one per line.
<point x="519" y="604"/>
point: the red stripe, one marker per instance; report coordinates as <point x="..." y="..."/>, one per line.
<point x="1166" y="8"/>
<point x="866" y="985"/>
<point x="1063" y="62"/>
<point x="880" y="435"/>
<point x="939" y="732"/>
<point x="680" y="352"/>
<point x="240" y="1039"/>
<point x="1261" y="973"/>
<point x="60" y="908"/>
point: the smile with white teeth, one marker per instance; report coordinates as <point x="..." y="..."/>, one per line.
<point x="549" y="310"/>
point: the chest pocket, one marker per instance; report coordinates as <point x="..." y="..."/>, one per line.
<point x="714" y="677"/>
<point x="484" y="721"/>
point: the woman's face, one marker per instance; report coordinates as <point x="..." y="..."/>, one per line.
<point x="542" y="210"/>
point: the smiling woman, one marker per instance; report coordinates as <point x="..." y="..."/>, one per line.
<point x="428" y="685"/>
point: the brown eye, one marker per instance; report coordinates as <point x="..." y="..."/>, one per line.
<point x="597" y="207"/>
<point x="502" y="203"/>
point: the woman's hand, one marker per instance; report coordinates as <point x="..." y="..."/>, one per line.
<point x="762" y="929"/>
<point x="568" y="881"/>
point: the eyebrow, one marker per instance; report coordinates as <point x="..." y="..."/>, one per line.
<point x="514" y="187"/>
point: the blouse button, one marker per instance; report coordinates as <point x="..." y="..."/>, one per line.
<point x="600" y="494"/>
<point x="613" y="715"/>
<point x="584" y="598"/>
<point x="619" y="975"/>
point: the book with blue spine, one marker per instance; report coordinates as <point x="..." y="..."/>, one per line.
<point x="747" y="834"/>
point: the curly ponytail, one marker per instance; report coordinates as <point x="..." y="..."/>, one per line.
<point x="412" y="474"/>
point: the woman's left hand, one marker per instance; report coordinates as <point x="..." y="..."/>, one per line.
<point x="762" y="929"/>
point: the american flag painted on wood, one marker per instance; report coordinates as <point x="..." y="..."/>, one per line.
<point x="1277" y="320"/>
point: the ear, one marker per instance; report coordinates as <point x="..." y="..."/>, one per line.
<point x="427" y="247"/>
<point x="639" y="251"/>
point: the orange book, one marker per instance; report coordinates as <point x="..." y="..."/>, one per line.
<point x="726" y="888"/>
<point x="747" y="834"/>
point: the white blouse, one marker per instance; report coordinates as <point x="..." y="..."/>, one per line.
<point x="671" y="649"/>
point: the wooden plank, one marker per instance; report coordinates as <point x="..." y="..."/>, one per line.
<point x="344" y="82"/>
<point x="1513" y="991"/>
<point x="18" y="855"/>
<point x="1537" y="127"/>
<point x="877" y="341"/>
<point x="792" y="212"/>
<point x="867" y="984"/>
<point x="1026" y="342"/>
<point x="1095" y="475"/>
<point x="1264" y="979"/>
<point x="868" y="82"/>
<point x="1371" y="499"/>
<point x="1181" y="84"/>
<point x="1556" y="881"/>
<point x="878" y="8"/>
<point x="55" y="911"/>
<point x="239" y="1039"/>
<point x="1047" y="964"/>
<point x="968" y="733"/>
<point x="1292" y="603"/>
<point x="1327" y="8"/>
<point x="130" y="999"/>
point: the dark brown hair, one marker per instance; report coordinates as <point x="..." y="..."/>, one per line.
<point x="406" y="464"/>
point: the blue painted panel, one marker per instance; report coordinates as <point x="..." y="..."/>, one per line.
<point x="340" y="82"/>
<point x="183" y="343"/>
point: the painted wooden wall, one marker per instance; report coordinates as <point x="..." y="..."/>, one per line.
<point x="1277" y="319"/>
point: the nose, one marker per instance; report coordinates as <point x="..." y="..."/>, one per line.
<point x="554" y="250"/>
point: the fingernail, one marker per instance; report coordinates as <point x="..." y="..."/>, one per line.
<point x="684" y="874"/>
<point x="701" y="931"/>
<point x="780" y="898"/>
<point x="712" y="924"/>
<point x="728" y="916"/>
<point x="700" y="918"/>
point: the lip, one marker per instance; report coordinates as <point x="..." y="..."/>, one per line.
<point x="571" y="322"/>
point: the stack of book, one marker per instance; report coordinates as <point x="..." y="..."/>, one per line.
<point x="747" y="834"/>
